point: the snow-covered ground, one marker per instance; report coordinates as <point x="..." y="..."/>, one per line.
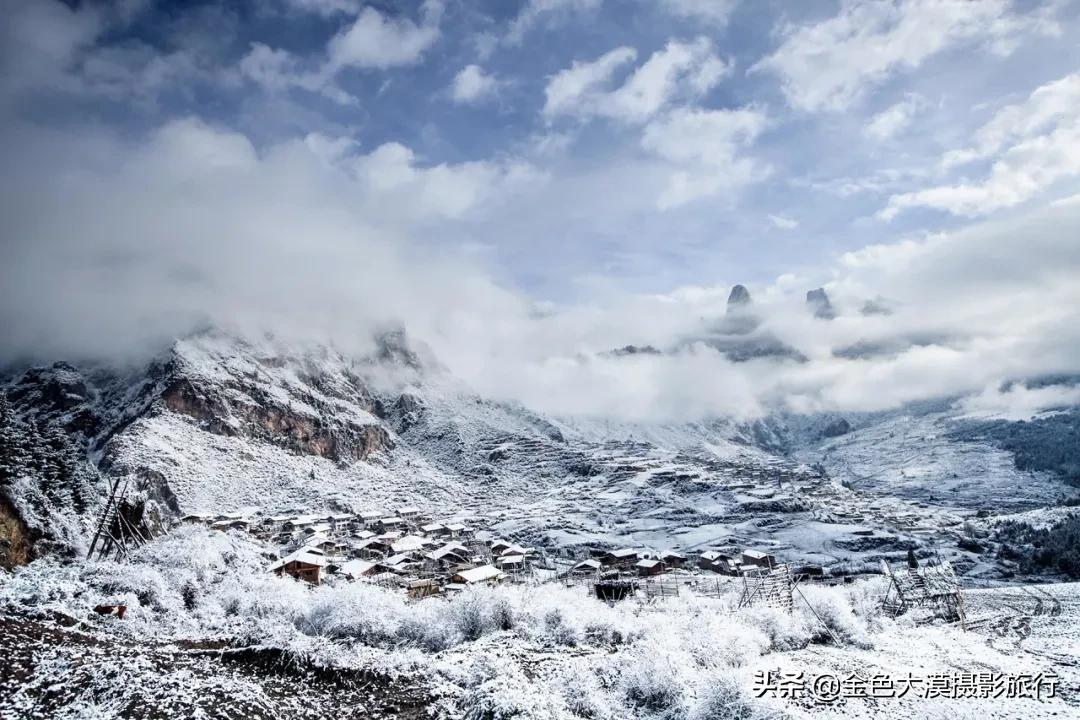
<point x="210" y="633"/>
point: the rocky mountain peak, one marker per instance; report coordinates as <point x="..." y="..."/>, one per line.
<point x="818" y="302"/>
<point x="739" y="298"/>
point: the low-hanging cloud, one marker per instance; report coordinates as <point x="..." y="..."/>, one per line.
<point x="113" y="247"/>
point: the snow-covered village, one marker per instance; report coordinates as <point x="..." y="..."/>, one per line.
<point x="540" y="359"/>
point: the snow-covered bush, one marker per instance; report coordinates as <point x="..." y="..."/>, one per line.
<point x="783" y="631"/>
<point x="724" y="697"/>
<point x="831" y="608"/>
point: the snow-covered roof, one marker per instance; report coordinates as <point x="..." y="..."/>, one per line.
<point x="408" y="510"/>
<point x="432" y="527"/>
<point x="511" y="560"/>
<point x="480" y="574"/>
<point x="623" y="553"/>
<point x="395" y="560"/>
<point x="588" y="564"/>
<point x="646" y="563"/>
<point x="370" y="515"/>
<point x="303" y="555"/>
<point x="408" y="544"/>
<point x="356" y="568"/>
<point x="448" y="549"/>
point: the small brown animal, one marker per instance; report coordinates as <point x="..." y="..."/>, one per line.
<point x="117" y="610"/>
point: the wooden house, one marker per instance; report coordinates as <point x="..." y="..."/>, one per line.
<point x="586" y="567"/>
<point x="672" y="560"/>
<point x="623" y="557"/>
<point x="304" y="564"/>
<point x="648" y="567"/>
<point x="483" y="575"/>
<point x="758" y="558"/>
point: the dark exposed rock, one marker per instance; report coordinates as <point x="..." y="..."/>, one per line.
<point x="738" y="298"/>
<point x="836" y="428"/>
<point x="634" y="350"/>
<point x="818" y="302"/>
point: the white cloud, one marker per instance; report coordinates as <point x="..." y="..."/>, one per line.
<point x="705" y="147"/>
<point x="715" y="12"/>
<point x="536" y="11"/>
<point x="783" y="223"/>
<point x="1047" y="106"/>
<point x="894" y="119"/>
<point x="830" y="64"/>
<point x="326" y="8"/>
<point x="377" y="41"/>
<point x="472" y="84"/>
<point x="683" y="70"/>
<point x="1034" y="144"/>
<point x="568" y="88"/>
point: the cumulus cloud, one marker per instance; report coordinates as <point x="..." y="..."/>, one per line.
<point x="831" y="64"/>
<point x="683" y="70"/>
<point x="472" y="84"/>
<point x="117" y="245"/>
<point x="715" y="12"/>
<point x="706" y="145"/>
<point x="1033" y="145"/>
<point x="895" y="118"/>
<point x="534" y="12"/>
<point x="119" y="237"/>
<point x="374" y="40"/>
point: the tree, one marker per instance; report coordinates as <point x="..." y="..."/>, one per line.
<point x="14" y="444"/>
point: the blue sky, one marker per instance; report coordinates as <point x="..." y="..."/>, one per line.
<point x="801" y="186"/>
<point x="526" y="183"/>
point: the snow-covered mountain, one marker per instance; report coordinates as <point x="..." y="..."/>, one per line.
<point x="217" y="423"/>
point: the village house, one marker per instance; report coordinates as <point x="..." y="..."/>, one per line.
<point x="434" y="530"/>
<point x="400" y="563"/>
<point x="458" y="530"/>
<point x="387" y="524"/>
<point x="511" y="563"/>
<point x="758" y="558"/>
<point x="672" y="560"/>
<point x="409" y="513"/>
<point x="497" y="546"/>
<point x="422" y="588"/>
<point x="450" y="554"/>
<point x="372" y="548"/>
<point x="709" y="559"/>
<point x="356" y="569"/>
<point x="483" y="575"/>
<point x="586" y="567"/>
<point x="304" y="564"/>
<point x="368" y="518"/>
<point x="409" y="543"/>
<point x="624" y="557"/>
<point x="648" y="567"/>
<point x="197" y="519"/>
<point x="299" y="523"/>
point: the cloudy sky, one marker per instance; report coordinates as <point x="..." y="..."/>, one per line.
<point x="535" y="179"/>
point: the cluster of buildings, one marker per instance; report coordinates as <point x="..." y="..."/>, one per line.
<point x="404" y="549"/>
<point x="646" y="563"/>
<point x="408" y="549"/>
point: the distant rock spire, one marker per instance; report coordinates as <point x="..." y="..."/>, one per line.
<point x="739" y="298"/>
<point x="819" y="304"/>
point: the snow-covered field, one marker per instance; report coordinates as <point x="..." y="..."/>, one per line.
<point x="209" y="633"/>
